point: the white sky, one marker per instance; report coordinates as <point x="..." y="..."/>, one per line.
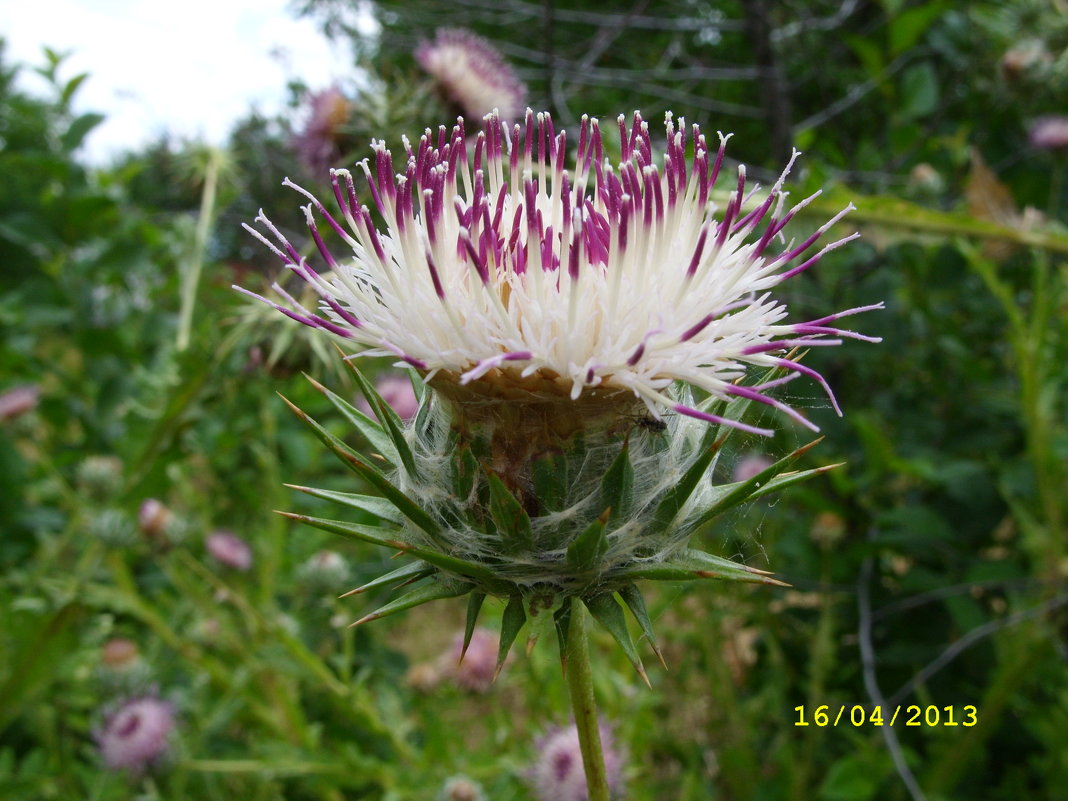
<point x="191" y="68"/>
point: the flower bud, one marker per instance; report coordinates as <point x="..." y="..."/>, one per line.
<point x="136" y="735"/>
<point x="558" y="773"/>
<point x="461" y="788"/>
<point x="324" y="571"/>
<point x="230" y="550"/>
<point x="111" y="526"/>
<point x="475" y="670"/>
<point x="121" y="668"/>
<point x="1050" y="133"/>
<point x="99" y="477"/>
<point x="154" y="519"/>
<point x="18" y="401"/>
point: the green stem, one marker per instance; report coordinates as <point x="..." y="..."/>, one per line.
<point x="205" y="218"/>
<point x="583" y="704"/>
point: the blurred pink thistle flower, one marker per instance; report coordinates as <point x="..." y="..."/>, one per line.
<point x="472" y="73"/>
<point x="1050" y="133"/>
<point x="316" y="145"/>
<point x="18" y="401"/>
<point x="136" y="734"/>
<point x="476" y="669"/>
<point x="397" y="391"/>
<point x="558" y="773"/>
<point x="229" y="549"/>
<point x="749" y="466"/>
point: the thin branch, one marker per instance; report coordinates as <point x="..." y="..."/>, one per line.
<point x="947" y="592"/>
<point x="818" y="24"/>
<point x="599" y="19"/>
<point x="855" y="94"/>
<point x="871" y="682"/>
<point x="970" y="639"/>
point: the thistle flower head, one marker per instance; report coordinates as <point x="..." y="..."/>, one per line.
<point x="472" y="73"/>
<point x="316" y="145"/>
<point x="586" y="333"/>
<point x="503" y="266"/>
<point x="136" y="734"/>
<point x="558" y="773"/>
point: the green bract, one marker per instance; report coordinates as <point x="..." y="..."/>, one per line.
<point x="504" y="487"/>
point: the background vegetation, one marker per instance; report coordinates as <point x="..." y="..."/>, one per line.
<point x="929" y="570"/>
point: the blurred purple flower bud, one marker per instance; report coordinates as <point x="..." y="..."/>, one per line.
<point x="18" y="401"/>
<point x="154" y="518"/>
<point x="230" y="550"/>
<point x="558" y="773"/>
<point x="1050" y="133"/>
<point x="397" y="391"/>
<point x="119" y="653"/>
<point x="479" y="666"/>
<point x="749" y="466"/>
<point x="136" y="735"/>
<point x="316" y="145"/>
<point x="461" y="788"/>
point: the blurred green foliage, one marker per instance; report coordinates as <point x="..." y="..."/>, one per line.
<point x="928" y="570"/>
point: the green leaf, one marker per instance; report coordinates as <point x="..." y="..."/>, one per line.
<point x="908" y="27"/>
<point x="387" y="418"/>
<point x="902" y="217"/>
<point x="562" y="621"/>
<point x="617" y="485"/>
<point x="511" y="520"/>
<point x="79" y="129"/>
<point x="588" y="548"/>
<point x="434" y="590"/>
<point x="474" y="606"/>
<point x="31" y="669"/>
<point x="371" y="504"/>
<point x="465" y="470"/>
<point x="406" y="505"/>
<point x="550" y="482"/>
<point x="607" y="611"/>
<point x="693" y="564"/>
<point x="541" y="607"/>
<point x="919" y="90"/>
<point x="343" y="452"/>
<point x="673" y="501"/>
<point x="372" y="475"/>
<point x="511" y="622"/>
<point x="388" y="538"/>
<point x="868" y="52"/>
<point x="71" y="87"/>
<point x="727" y="496"/>
<point x="410" y="572"/>
<point x="632" y="597"/>
<point x="371" y="430"/>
